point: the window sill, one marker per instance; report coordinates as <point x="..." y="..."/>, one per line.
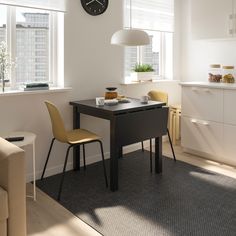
<point x="22" y="92"/>
<point x="150" y="82"/>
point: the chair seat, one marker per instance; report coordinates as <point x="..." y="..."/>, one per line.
<point x="81" y="136"/>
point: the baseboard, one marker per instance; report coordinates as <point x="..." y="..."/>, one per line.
<point x="58" y="169"/>
<point x="207" y="156"/>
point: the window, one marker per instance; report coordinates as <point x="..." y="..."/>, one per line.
<point x="156" y="17"/>
<point x="34" y="37"/>
<point x="149" y="54"/>
<point x="3" y="21"/>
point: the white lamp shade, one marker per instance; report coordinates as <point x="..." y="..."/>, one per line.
<point x="130" y="37"/>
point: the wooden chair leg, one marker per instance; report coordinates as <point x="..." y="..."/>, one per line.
<point x="171" y="144"/>
<point x="45" y="166"/>
<point x="150" y="155"/>
<point x="84" y="156"/>
<point x="103" y="162"/>
<point x="63" y="173"/>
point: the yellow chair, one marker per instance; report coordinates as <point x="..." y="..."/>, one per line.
<point x="160" y="96"/>
<point x="73" y="138"/>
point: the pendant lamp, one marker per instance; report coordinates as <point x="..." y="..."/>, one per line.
<point x="130" y="37"/>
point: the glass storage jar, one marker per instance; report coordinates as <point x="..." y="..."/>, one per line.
<point x="228" y="74"/>
<point x="215" y="73"/>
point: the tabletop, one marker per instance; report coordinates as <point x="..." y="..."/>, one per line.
<point x="133" y="105"/>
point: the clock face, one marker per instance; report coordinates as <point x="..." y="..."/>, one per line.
<point x="95" y="7"/>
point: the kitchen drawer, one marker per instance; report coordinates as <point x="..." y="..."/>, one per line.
<point x="203" y="103"/>
<point x="201" y="135"/>
<point x="229" y="144"/>
<point x="229" y="107"/>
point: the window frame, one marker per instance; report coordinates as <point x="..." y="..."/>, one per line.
<point x="55" y="44"/>
<point x="165" y="69"/>
<point x="162" y="56"/>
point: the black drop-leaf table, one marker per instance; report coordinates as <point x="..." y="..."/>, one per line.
<point x="129" y="123"/>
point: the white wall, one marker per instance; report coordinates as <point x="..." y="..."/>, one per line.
<point x="197" y="55"/>
<point x="91" y="65"/>
<point x="28" y="113"/>
<point x="137" y="90"/>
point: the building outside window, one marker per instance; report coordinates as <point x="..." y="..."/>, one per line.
<point x="3" y="22"/>
<point x="33" y="41"/>
<point x="156" y="17"/>
<point x="32" y="45"/>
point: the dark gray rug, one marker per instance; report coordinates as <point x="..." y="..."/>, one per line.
<point x="184" y="200"/>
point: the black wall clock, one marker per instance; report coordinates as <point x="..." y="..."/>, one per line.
<point x="95" y="7"/>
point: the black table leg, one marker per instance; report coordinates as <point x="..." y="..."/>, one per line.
<point x="114" y="152"/>
<point x="76" y="150"/>
<point x="158" y="154"/>
<point x="121" y="152"/>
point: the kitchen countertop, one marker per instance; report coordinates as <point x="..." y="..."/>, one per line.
<point x="208" y="85"/>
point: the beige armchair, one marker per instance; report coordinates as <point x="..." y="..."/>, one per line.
<point x="12" y="190"/>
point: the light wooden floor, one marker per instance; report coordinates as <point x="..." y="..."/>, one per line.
<point x="46" y="217"/>
<point x="198" y="161"/>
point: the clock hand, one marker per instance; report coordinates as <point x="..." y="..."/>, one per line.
<point x="90" y="2"/>
<point x="99" y="2"/>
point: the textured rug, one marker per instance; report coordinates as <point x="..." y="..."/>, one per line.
<point x="184" y="200"/>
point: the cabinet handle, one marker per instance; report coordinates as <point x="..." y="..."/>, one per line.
<point x="194" y="89"/>
<point x="194" y="121"/>
<point x="205" y="123"/>
<point x="231" y="25"/>
<point x="207" y="90"/>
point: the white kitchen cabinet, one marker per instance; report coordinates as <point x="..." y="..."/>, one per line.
<point x="229" y="107"/>
<point x="213" y="19"/>
<point x="197" y="101"/>
<point x="208" y="122"/>
<point x="202" y="135"/>
<point x="229" y="137"/>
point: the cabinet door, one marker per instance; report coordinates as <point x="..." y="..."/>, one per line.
<point x="203" y="103"/>
<point x="229" y="144"/>
<point x="229" y="107"/>
<point x="212" y="19"/>
<point x="202" y="136"/>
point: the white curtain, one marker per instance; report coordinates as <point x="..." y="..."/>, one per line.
<point x="52" y="5"/>
<point x="150" y="14"/>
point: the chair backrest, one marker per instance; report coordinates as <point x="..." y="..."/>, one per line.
<point x="58" y="127"/>
<point x="160" y="96"/>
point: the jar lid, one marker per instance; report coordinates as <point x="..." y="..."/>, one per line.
<point x="215" y="66"/>
<point x="228" y="67"/>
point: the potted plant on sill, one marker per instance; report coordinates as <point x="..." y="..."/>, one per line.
<point x="142" y="72"/>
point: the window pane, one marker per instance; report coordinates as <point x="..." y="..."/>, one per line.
<point x="32" y="45"/>
<point x="3" y="18"/>
<point x="149" y="54"/>
<point x="168" y="37"/>
<point x="131" y="58"/>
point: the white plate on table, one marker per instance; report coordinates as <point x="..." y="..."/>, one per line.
<point x="111" y="101"/>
